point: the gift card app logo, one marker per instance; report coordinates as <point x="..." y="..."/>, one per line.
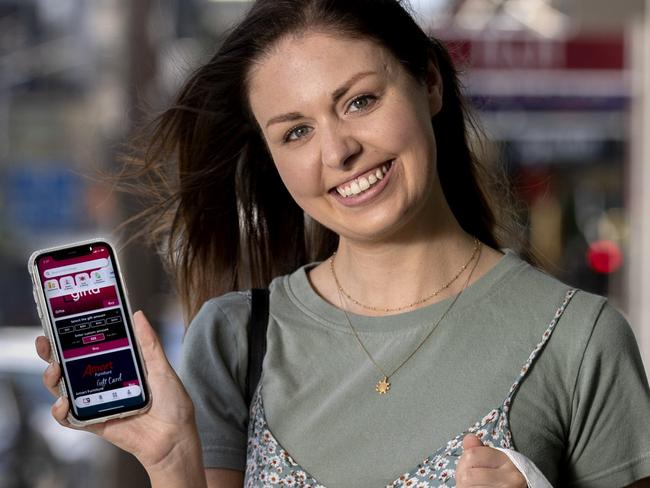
<point x="51" y="285"/>
<point x="82" y="280"/>
<point x="67" y="283"/>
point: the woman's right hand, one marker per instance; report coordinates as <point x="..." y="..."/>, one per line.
<point x="164" y="439"/>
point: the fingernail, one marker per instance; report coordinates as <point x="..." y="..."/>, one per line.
<point x="59" y="402"/>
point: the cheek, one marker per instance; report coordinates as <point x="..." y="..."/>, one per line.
<point x="407" y="128"/>
<point x="299" y="178"/>
<point x="413" y="138"/>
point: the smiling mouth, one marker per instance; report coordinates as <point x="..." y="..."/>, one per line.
<point x="363" y="183"/>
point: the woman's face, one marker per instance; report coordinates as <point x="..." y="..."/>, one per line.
<point x="349" y="131"/>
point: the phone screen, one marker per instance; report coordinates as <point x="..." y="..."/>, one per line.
<point x="92" y="329"/>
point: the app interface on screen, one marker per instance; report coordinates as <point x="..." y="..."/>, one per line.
<point x="85" y="306"/>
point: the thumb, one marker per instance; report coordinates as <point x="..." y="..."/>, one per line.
<point x="470" y="441"/>
<point x="152" y="351"/>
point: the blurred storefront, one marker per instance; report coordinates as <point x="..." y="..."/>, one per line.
<point x="562" y="88"/>
<point x="557" y="111"/>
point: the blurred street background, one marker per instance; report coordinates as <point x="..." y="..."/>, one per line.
<point x="562" y="88"/>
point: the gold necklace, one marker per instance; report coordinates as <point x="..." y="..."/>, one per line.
<point x="410" y="305"/>
<point x="383" y="385"/>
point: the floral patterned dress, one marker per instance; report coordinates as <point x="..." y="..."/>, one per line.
<point x="268" y="464"/>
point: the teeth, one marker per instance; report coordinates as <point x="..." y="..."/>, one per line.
<point x="363" y="183"/>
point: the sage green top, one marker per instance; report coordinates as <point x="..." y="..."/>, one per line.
<point x="582" y="415"/>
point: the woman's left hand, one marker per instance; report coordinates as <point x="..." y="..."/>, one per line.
<point x="482" y="466"/>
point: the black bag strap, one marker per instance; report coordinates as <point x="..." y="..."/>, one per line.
<point x="256" y="339"/>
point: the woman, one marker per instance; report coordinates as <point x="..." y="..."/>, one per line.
<point x="337" y="125"/>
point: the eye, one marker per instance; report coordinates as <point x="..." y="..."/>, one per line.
<point x="361" y="103"/>
<point x="296" y="133"/>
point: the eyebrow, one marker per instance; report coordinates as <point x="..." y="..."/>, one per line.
<point x="336" y="96"/>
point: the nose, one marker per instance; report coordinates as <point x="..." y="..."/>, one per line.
<point x="338" y="146"/>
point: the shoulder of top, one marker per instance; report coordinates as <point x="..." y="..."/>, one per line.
<point x="227" y="300"/>
<point x="235" y="303"/>
<point x="229" y="309"/>
<point x="541" y="283"/>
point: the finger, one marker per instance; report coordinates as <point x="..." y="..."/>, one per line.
<point x="152" y="351"/>
<point x="470" y="441"/>
<point x="490" y="477"/>
<point x="60" y="411"/>
<point x="43" y="348"/>
<point x="51" y="378"/>
<point x="482" y="457"/>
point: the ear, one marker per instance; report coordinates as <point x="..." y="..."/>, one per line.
<point x="434" y="88"/>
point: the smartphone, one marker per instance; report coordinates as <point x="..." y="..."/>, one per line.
<point x="82" y="302"/>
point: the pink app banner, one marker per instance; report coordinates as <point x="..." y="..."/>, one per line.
<point x="84" y="301"/>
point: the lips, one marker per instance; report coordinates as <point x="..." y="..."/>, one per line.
<point x="364" y="182"/>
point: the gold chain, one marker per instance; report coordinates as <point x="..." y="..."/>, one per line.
<point x="410" y="305"/>
<point x="383" y="385"/>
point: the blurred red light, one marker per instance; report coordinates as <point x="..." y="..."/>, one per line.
<point x="604" y="256"/>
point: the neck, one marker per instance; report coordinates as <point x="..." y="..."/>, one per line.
<point x="393" y="272"/>
<point x="405" y="269"/>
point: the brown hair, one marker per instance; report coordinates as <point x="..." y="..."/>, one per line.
<point x="221" y="213"/>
